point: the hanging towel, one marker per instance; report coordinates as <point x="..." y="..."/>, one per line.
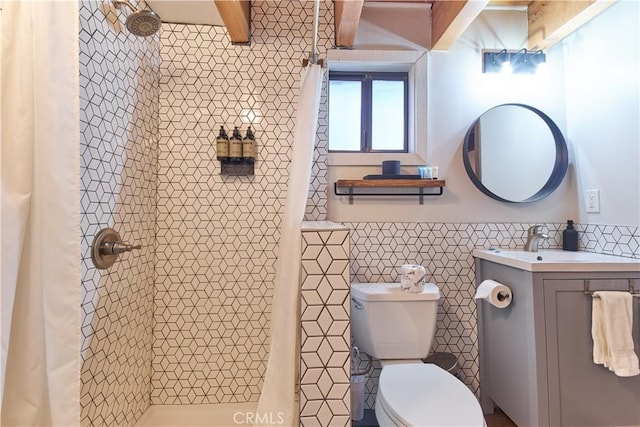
<point x="600" y="349"/>
<point x="611" y="327"/>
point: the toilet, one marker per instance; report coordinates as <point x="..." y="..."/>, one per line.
<point x="397" y="328"/>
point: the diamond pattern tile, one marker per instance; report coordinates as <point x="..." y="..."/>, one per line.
<point x="325" y="344"/>
<point x="217" y="235"/>
<point x="119" y="76"/>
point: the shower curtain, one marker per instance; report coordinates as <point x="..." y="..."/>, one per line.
<point x="277" y="404"/>
<point x="40" y="213"/>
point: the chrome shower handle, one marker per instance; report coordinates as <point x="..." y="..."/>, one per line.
<point x="115" y="248"/>
<point x="106" y="247"/>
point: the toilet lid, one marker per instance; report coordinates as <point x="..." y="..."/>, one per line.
<point x="426" y="395"/>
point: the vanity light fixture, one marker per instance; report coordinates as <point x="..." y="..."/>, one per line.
<point x="522" y="61"/>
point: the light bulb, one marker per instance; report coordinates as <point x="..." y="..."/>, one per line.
<point x="506" y="68"/>
<point x="542" y="68"/>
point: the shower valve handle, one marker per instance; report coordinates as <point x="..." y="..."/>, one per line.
<point x="115" y="248"/>
<point x="106" y="247"/>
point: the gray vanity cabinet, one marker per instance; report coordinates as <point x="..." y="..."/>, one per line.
<point x="536" y="355"/>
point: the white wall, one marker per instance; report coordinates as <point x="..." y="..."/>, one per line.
<point x="602" y="73"/>
<point x="591" y="91"/>
<point x="458" y="93"/>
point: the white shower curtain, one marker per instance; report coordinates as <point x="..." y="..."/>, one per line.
<point x="277" y="403"/>
<point x="40" y="213"/>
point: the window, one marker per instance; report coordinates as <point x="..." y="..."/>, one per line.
<point x="411" y="62"/>
<point x="368" y="112"/>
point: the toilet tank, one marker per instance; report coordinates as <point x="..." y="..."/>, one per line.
<point x="388" y="323"/>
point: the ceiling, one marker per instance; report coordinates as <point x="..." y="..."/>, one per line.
<point x="548" y="21"/>
<point x="187" y="11"/>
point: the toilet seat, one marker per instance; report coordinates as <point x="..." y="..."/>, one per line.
<point x="425" y="395"/>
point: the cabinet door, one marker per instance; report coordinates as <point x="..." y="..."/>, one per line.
<point x="582" y="393"/>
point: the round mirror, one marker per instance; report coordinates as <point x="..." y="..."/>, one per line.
<point x="515" y="153"/>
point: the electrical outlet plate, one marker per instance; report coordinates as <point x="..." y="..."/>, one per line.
<point x="592" y="201"/>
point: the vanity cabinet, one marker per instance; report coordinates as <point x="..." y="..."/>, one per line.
<point x="536" y="357"/>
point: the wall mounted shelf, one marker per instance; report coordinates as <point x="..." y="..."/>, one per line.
<point x="419" y="184"/>
<point x="228" y="167"/>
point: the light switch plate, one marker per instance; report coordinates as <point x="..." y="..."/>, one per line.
<point x="592" y="201"/>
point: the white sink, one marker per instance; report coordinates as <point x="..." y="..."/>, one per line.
<point x="557" y="260"/>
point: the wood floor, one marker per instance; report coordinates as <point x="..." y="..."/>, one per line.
<point x="498" y="419"/>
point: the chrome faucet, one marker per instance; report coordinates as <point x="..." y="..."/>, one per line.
<point x="534" y="235"/>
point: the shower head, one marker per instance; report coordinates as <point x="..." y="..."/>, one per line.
<point x="142" y="23"/>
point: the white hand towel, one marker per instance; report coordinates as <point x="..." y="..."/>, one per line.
<point x="600" y="349"/>
<point x="612" y="324"/>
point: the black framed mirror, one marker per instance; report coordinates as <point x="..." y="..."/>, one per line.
<point x="515" y="153"/>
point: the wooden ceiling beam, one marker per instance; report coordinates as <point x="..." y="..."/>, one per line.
<point x="449" y="19"/>
<point x="550" y="21"/>
<point x="236" y="15"/>
<point x="346" y="20"/>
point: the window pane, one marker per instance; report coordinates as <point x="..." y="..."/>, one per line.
<point x="387" y="115"/>
<point x="344" y="115"/>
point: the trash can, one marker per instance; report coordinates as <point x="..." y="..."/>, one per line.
<point x="357" y="396"/>
<point x="447" y="361"/>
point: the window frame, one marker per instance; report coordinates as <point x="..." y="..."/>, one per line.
<point x="415" y="62"/>
<point x="366" y="79"/>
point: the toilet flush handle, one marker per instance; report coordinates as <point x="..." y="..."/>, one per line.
<point x="357" y="304"/>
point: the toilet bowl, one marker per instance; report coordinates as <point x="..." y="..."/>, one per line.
<point x="424" y="395"/>
<point x="397" y="327"/>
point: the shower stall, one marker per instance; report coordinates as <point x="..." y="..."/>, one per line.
<point x="186" y="319"/>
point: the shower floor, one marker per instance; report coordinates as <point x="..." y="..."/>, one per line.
<point x="218" y="415"/>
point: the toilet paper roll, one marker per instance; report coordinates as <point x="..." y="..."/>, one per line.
<point x="412" y="278"/>
<point x="494" y="293"/>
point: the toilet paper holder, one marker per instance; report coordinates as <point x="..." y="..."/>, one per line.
<point x="495" y="293"/>
<point x="503" y="296"/>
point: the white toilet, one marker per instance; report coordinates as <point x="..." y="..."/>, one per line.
<point x="397" y="328"/>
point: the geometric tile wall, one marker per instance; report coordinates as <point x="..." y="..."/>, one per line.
<point x="119" y="128"/>
<point x="217" y="234"/>
<point x="444" y="249"/>
<point x="325" y="338"/>
<point x="610" y="239"/>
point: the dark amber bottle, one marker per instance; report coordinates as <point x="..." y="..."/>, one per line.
<point x="235" y="146"/>
<point x="222" y="145"/>
<point x="570" y="237"/>
<point x="249" y="147"/>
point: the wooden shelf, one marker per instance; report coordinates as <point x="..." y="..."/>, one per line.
<point x="391" y="183"/>
<point x="419" y="184"/>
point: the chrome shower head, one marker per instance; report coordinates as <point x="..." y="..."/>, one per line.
<point x="142" y="23"/>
